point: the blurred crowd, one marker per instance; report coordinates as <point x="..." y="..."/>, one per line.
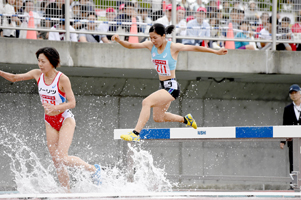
<point x="198" y="19"/>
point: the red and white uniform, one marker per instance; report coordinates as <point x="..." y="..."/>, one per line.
<point x="53" y="95"/>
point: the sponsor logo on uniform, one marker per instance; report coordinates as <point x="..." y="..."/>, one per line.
<point x="54" y="86"/>
<point x="201" y="132"/>
<point x="165" y="55"/>
<point x="154" y="54"/>
<point x="47" y="91"/>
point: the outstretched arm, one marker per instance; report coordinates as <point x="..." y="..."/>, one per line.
<point x="128" y="45"/>
<point x="181" y="47"/>
<point x="33" y="74"/>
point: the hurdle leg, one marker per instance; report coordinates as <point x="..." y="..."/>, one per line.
<point x="130" y="164"/>
<point x="297" y="163"/>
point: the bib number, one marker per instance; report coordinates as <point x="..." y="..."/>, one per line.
<point x="162" y="67"/>
<point x="48" y="99"/>
<point x="171" y="84"/>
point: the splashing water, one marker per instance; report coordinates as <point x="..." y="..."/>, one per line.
<point x="32" y="177"/>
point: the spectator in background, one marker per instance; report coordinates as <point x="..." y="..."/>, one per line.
<point x="121" y="9"/>
<point x="291" y="116"/>
<point x="143" y="17"/>
<point x="76" y="12"/>
<point x="266" y="34"/>
<point x="212" y="8"/>
<point x="264" y="22"/>
<point x="157" y="9"/>
<point x="29" y="7"/>
<point x="288" y="6"/>
<point x="185" y="5"/>
<point x="245" y="27"/>
<point x="286" y="34"/>
<point x="241" y="16"/>
<point x="180" y="23"/>
<point x="214" y="32"/>
<point x="9" y="21"/>
<point x="196" y="5"/>
<point x="19" y="11"/>
<point x="126" y="17"/>
<point x="251" y="14"/>
<point x="296" y="29"/>
<point x="84" y="12"/>
<point x="234" y="19"/>
<point x="54" y="10"/>
<point x="226" y="10"/>
<point x="166" y="19"/>
<point x="91" y="26"/>
<point x="110" y="16"/>
<point x="60" y="36"/>
<point x="200" y="22"/>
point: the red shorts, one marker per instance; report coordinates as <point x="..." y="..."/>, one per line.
<point x="57" y="121"/>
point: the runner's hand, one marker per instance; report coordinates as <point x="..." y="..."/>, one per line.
<point x="222" y="51"/>
<point x="115" y="38"/>
<point x="48" y="108"/>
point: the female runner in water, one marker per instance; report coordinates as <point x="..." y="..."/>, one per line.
<point x="164" y="56"/>
<point x="54" y="90"/>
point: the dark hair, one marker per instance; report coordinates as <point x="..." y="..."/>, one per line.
<point x="264" y="13"/>
<point x="234" y="10"/>
<point x="271" y="20"/>
<point x="141" y="10"/>
<point x="298" y="18"/>
<point x="160" y="29"/>
<point x="242" y="11"/>
<point x="91" y="13"/>
<point x="244" y="22"/>
<point x="129" y="4"/>
<point x="51" y="54"/>
<point x="286" y="19"/>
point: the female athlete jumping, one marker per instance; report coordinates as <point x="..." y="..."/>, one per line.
<point x="54" y="90"/>
<point x="164" y="56"/>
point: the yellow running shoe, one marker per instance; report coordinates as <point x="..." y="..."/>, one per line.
<point x="191" y="121"/>
<point x="131" y="137"/>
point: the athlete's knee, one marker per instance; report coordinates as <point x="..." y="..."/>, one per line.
<point x="59" y="159"/>
<point x="146" y="102"/>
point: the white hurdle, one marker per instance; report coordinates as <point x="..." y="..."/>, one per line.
<point x="225" y="133"/>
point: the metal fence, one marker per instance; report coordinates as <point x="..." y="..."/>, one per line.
<point x="240" y="24"/>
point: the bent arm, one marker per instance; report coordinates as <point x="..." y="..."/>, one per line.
<point x="66" y="87"/>
<point x="33" y="74"/>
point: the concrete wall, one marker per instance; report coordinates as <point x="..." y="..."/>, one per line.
<point x="109" y="91"/>
<point x="104" y="104"/>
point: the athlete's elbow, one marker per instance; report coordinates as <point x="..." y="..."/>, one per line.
<point x="72" y="104"/>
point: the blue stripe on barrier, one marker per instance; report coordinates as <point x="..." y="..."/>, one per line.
<point x="254" y="132"/>
<point x="163" y="133"/>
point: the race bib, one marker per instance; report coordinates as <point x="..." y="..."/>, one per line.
<point x="48" y="99"/>
<point x="171" y="84"/>
<point x="162" y="67"/>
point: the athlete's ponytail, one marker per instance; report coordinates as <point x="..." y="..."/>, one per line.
<point x="169" y="29"/>
<point x="160" y="29"/>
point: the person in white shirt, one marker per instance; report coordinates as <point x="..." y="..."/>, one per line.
<point x="166" y="19"/>
<point x="60" y="36"/>
<point x="9" y="21"/>
<point x="29" y="7"/>
<point x="202" y="31"/>
<point x="110" y="16"/>
<point x="181" y="25"/>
